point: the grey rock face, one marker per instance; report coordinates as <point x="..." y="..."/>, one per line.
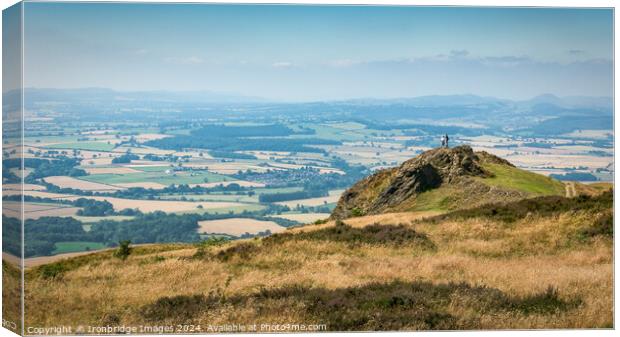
<point x="392" y="187"/>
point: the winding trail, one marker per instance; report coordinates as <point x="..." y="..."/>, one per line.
<point x="570" y="189"/>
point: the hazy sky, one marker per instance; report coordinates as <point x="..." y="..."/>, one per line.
<point x="320" y="52"/>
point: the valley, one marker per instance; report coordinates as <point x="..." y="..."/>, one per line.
<point x="268" y="163"/>
<point x="270" y="215"/>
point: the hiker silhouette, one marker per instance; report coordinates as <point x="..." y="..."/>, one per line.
<point x="444" y="140"/>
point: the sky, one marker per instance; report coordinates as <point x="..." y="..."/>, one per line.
<point x="306" y="53"/>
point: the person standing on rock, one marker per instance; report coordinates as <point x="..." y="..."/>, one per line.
<point x="444" y="140"/>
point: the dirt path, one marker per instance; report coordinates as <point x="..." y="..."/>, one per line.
<point x="570" y="189"/>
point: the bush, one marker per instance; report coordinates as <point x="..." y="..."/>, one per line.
<point x="123" y="250"/>
<point x="375" y="234"/>
<point x="177" y="308"/>
<point x="244" y="250"/>
<point x="603" y="226"/>
<point x="544" y="206"/>
<point x="204" y="244"/>
<point x="395" y="305"/>
<point x="52" y="271"/>
<point x="355" y="212"/>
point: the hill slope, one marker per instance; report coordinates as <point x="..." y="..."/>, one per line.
<point x="443" y="179"/>
<point x="539" y="263"/>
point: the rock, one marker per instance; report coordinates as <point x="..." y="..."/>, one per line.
<point x="389" y="188"/>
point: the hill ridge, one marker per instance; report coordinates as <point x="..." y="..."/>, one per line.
<point x="452" y="178"/>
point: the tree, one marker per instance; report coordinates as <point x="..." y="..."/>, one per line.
<point x="123" y="250"/>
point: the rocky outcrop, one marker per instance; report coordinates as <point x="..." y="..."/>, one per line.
<point x="388" y="189"/>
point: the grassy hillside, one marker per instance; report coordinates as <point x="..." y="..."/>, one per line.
<point x="521" y="180"/>
<point x="507" y="183"/>
<point x="542" y="267"/>
<point x="443" y="180"/>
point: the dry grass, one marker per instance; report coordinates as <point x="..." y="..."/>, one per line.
<point x="11" y="294"/>
<point x="143" y="205"/>
<point x="482" y="274"/>
<point x="304" y="217"/>
<point x="35" y="211"/>
<point x="69" y="182"/>
<point x="333" y="197"/>
<point x="238" y="226"/>
<point x="26" y="187"/>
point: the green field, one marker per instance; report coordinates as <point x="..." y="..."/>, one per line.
<point x="152" y="168"/>
<point x="179" y="132"/>
<point x="78" y="246"/>
<point x="30" y="139"/>
<point x="157" y="177"/>
<point x="278" y="190"/>
<point x="94" y="219"/>
<point x="327" y="132"/>
<point x="522" y="180"/>
<point x="90" y="146"/>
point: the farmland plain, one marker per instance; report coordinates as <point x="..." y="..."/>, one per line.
<point x="281" y="164"/>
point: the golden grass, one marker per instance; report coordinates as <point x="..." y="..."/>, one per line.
<point x="334" y="196"/>
<point x="11" y="294"/>
<point x="519" y="259"/>
<point x="143" y="205"/>
<point x="304" y="218"/>
<point x="238" y="226"/>
<point x="69" y="182"/>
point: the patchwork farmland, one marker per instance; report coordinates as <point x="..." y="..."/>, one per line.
<point x="236" y="176"/>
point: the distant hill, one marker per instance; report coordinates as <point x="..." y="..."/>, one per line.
<point x="572" y="101"/>
<point x="106" y="96"/>
<point x="443" y="179"/>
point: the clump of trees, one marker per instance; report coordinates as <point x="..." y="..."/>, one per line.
<point x="148" y="228"/>
<point x="277" y="197"/>
<point x="125" y="159"/>
<point x="59" y="167"/>
<point x="91" y="207"/>
<point x="41" y="235"/>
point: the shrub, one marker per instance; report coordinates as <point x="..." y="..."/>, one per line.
<point x="177" y="308"/>
<point x="375" y="234"/>
<point x="202" y="246"/>
<point x="544" y="206"/>
<point x="395" y="305"/>
<point x="244" y="250"/>
<point x="603" y="226"/>
<point x="356" y="211"/>
<point x="123" y="250"/>
<point x="52" y="271"/>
